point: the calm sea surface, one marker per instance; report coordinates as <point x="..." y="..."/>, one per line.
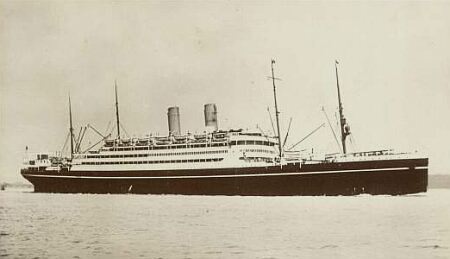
<point x="34" y="225"/>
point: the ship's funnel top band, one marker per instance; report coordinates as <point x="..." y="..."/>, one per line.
<point x="173" y="116"/>
<point x="211" y="117"/>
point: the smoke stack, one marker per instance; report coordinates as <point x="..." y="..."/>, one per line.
<point x="173" y="116"/>
<point x="211" y="117"/>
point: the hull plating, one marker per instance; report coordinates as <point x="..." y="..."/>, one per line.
<point x="394" y="177"/>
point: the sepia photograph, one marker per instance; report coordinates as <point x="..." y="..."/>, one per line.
<point x="224" y="129"/>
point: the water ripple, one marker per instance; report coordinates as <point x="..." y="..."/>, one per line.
<point x="77" y="226"/>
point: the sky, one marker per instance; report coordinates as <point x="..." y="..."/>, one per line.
<point x="394" y="71"/>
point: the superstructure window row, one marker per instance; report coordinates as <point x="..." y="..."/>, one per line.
<point x="258" y="150"/>
<point x="251" y="142"/>
<point x="154" y="162"/>
<point x="156" y="147"/>
<point x="257" y="159"/>
<point x="159" y="154"/>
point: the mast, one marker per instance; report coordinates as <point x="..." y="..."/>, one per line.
<point x="344" y="128"/>
<point x="277" y="113"/>
<point x="70" y="129"/>
<point x="117" y="111"/>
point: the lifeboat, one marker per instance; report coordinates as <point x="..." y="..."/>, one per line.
<point x="199" y="137"/>
<point x="126" y="141"/>
<point x="180" y="138"/>
<point x="109" y="143"/>
<point x="142" y="142"/>
<point x="162" y="141"/>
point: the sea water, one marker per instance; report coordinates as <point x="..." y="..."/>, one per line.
<point x="38" y="225"/>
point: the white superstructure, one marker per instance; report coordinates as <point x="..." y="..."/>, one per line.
<point x="220" y="149"/>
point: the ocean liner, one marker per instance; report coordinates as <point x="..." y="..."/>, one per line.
<point x="222" y="162"/>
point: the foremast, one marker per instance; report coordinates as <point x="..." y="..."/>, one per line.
<point x="345" y="129"/>
<point x="117" y="111"/>
<point x="70" y="129"/>
<point x="277" y="113"/>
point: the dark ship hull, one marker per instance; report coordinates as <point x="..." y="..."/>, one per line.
<point x="377" y="177"/>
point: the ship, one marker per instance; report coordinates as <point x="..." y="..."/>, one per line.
<point x="222" y="162"/>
